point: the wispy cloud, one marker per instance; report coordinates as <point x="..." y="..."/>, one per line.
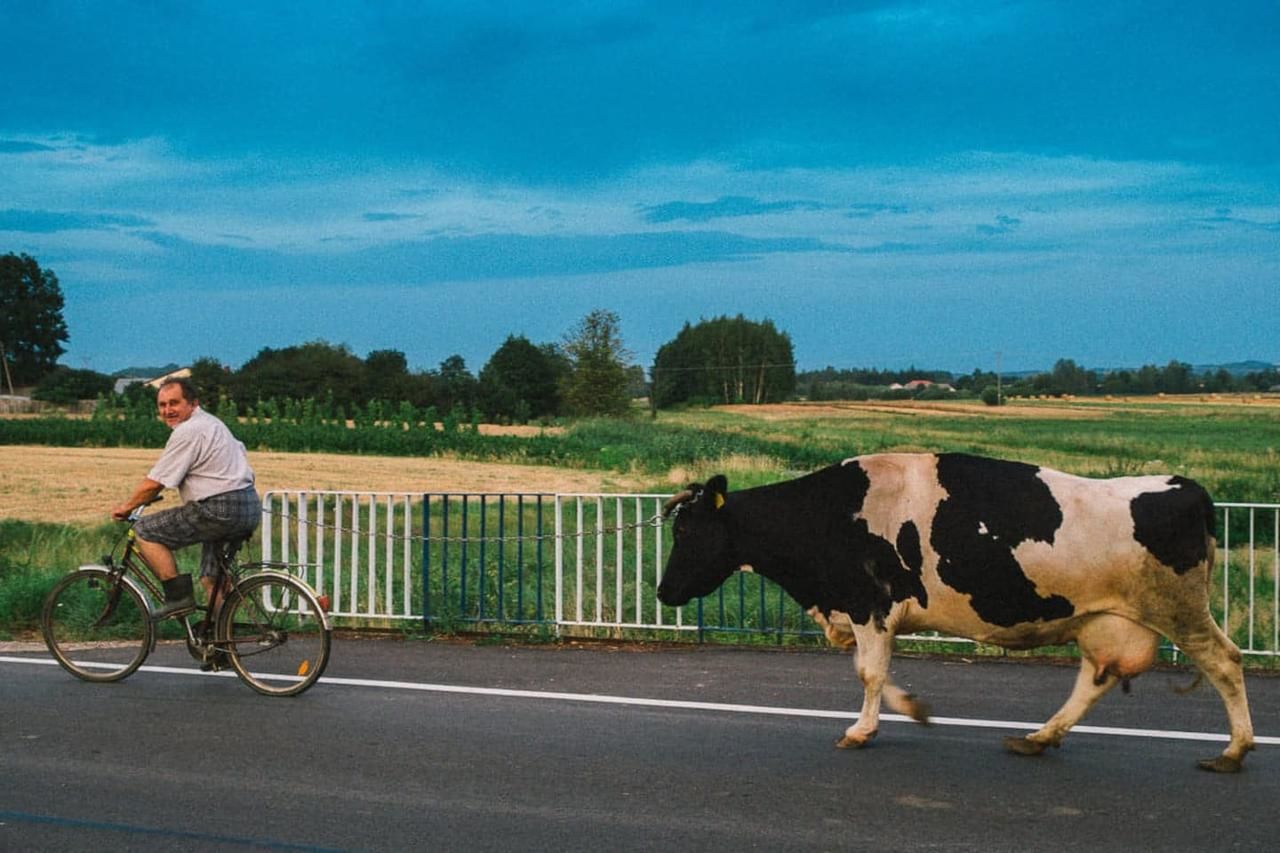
<point x="866" y="211"/>
<point x="1004" y="224"/>
<point x="389" y="217"/>
<point x="51" y="221"/>
<point x="722" y="208"/>
<point x="21" y="146"/>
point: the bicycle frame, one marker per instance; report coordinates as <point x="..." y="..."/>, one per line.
<point x="134" y="571"/>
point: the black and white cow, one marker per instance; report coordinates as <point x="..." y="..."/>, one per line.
<point x="1000" y="552"/>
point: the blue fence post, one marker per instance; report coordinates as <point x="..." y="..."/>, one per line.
<point x="462" y="567"/>
<point x="482" y="568"/>
<point x="444" y="550"/>
<point x="520" y="555"/>
<point x="502" y="552"/>
<point x="426" y="561"/>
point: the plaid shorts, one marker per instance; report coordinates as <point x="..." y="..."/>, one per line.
<point x="213" y="522"/>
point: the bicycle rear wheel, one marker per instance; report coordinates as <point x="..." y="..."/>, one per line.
<point x="96" y="625"/>
<point x="274" y="634"/>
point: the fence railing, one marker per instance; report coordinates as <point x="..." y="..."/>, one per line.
<point x="589" y="564"/>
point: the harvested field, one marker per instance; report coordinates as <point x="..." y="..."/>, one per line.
<point x="1065" y="408"/>
<point x="80" y="485"/>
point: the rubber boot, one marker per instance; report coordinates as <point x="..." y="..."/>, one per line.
<point x="179" y="596"/>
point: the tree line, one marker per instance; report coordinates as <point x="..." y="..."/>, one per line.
<point x="589" y="372"/>
<point x="1067" y="378"/>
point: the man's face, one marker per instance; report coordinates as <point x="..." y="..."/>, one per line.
<point x="173" y="407"/>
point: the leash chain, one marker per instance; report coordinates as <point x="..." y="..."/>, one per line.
<point x="654" y="521"/>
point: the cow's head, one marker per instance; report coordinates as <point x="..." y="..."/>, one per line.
<point x="701" y="556"/>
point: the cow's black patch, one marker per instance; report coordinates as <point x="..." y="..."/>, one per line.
<point x="805" y="535"/>
<point x="991" y="507"/>
<point x="1174" y="525"/>
<point x="909" y="546"/>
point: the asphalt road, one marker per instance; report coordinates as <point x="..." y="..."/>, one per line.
<point x="426" y="745"/>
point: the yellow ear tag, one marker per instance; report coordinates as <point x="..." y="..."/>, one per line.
<point x="719" y="500"/>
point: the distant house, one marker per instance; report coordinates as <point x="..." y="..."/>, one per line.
<point x="921" y="384"/>
<point x="180" y="373"/>
<point x="123" y="382"/>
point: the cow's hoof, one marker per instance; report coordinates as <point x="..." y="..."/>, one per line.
<point x="1023" y="746"/>
<point x="1221" y="764"/>
<point x="847" y="742"/>
<point x="919" y="711"/>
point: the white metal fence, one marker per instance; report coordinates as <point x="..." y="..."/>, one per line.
<point x="590" y="563"/>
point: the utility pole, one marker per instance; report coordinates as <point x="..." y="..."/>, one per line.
<point x="998" y="397"/>
<point x="4" y="357"/>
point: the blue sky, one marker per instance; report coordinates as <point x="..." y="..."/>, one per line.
<point x="891" y="183"/>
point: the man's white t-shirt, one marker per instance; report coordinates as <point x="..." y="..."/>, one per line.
<point x="202" y="458"/>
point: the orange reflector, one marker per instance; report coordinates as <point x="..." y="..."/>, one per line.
<point x="324" y="602"/>
<point x="304" y="667"/>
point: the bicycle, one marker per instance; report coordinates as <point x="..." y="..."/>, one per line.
<point x="98" y="620"/>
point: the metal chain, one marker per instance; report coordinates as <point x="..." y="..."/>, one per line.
<point x="654" y="521"/>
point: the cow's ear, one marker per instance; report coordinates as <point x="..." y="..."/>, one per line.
<point x="717" y="488"/>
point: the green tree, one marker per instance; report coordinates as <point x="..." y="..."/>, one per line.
<point x="597" y="382"/>
<point x="63" y="385"/>
<point x="310" y="370"/>
<point x="1176" y="378"/>
<point x="31" y="326"/>
<point x="455" y="385"/>
<point x="520" y="381"/>
<point x="213" y="381"/>
<point x="386" y="376"/>
<point x="725" y="360"/>
<point x="1069" y="378"/>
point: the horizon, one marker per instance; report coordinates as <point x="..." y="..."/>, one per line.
<point x="891" y="183"/>
<point x="1240" y="366"/>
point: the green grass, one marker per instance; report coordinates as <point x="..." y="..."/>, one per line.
<point x="32" y="556"/>
<point x="1232" y="450"/>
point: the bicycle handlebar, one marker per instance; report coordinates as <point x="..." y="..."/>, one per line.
<point x="136" y="513"/>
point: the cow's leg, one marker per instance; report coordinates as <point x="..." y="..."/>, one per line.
<point x="1219" y="659"/>
<point x="1089" y="688"/>
<point x="871" y="661"/>
<point x="1112" y="649"/>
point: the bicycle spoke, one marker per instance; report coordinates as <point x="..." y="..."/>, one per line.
<point x="96" y="626"/>
<point x="274" y="636"/>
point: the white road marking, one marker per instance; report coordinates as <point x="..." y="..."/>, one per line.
<point x="683" y="704"/>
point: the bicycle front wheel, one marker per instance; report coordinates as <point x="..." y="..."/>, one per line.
<point x="274" y="634"/>
<point x="96" y="625"/>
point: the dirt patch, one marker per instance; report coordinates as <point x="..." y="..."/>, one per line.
<point x="80" y="485"/>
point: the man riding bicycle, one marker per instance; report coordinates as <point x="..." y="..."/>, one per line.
<point x="210" y="469"/>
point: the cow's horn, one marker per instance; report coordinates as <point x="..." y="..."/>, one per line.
<point x="675" y="501"/>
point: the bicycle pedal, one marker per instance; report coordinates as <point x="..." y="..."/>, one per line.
<point x="216" y="663"/>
